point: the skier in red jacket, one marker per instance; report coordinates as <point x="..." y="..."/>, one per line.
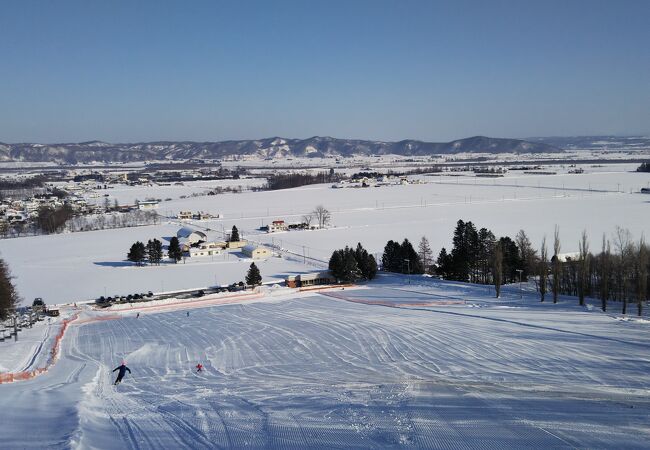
<point x="199" y="367"/>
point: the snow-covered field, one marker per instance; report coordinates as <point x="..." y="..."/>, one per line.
<point x="386" y="365"/>
<point x="71" y="267"/>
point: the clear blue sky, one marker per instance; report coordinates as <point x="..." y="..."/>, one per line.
<point x="125" y="71"/>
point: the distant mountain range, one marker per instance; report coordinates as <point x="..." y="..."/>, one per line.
<point x="96" y="151"/>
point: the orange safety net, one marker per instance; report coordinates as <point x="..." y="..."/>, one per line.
<point x="54" y="352"/>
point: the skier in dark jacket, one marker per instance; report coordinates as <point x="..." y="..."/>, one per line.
<point x="122" y="371"/>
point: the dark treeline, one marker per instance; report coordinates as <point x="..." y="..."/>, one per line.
<point x="291" y="180"/>
<point x="619" y="272"/>
<point x="477" y="254"/>
<point x="27" y="183"/>
<point x="52" y="220"/>
<point x="9" y="298"/>
<point x="349" y="265"/>
<point x="152" y="252"/>
<point x="644" y="167"/>
<point x="401" y="258"/>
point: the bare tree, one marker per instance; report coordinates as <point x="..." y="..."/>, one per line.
<point x="322" y="216"/>
<point x="527" y="253"/>
<point x="583" y="246"/>
<point x="604" y="272"/>
<point x="424" y="250"/>
<point x="497" y="268"/>
<point x="307" y="218"/>
<point x="624" y="246"/>
<point x="557" y="264"/>
<point x="543" y="269"/>
<point x="641" y="274"/>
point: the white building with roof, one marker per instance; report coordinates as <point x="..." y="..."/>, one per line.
<point x="256" y="252"/>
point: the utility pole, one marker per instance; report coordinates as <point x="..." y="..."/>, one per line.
<point x="15" y="327"/>
<point x="519" y="271"/>
<point x="408" y="268"/>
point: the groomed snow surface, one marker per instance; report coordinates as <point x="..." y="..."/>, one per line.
<point x="424" y="365"/>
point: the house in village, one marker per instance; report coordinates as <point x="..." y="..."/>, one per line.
<point x="256" y="252"/>
<point x="191" y="237"/>
<point x="277" y="225"/>
<point x="206" y="249"/>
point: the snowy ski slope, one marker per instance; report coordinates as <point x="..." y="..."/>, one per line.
<point x="427" y="365"/>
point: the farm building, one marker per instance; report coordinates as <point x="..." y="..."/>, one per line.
<point x="309" y="279"/>
<point x="237" y="244"/>
<point x="191" y="236"/>
<point x="147" y="204"/>
<point x="255" y="252"/>
<point x="206" y="249"/>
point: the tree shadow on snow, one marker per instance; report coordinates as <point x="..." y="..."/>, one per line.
<point x="114" y="263"/>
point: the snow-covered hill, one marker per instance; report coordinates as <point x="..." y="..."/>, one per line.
<point x="386" y="366"/>
<point x="275" y="147"/>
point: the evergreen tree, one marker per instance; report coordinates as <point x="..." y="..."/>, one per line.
<point x="154" y="251"/>
<point x="370" y="267"/>
<point x="472" y="251"/>
<point x="487" y="241"/>
<point x="444" y="264"/>
<point x="511" y="260"/>
<point x="460" y="267"/>
<point x="174" y="252"/>
<point x="556" y="264"/>
<point x="408" y="253"/>
<point x="9" y="297"/>
<point x="137" y="253"/>
<point x="391" y="260"/>
<point x="351" y="265"/>
<point x="253" y="277"/>
<point x="366" y="262"/>
<point x="336" y="265"/>
<point x="351" y="270"/>
<point x="234" y="234"/>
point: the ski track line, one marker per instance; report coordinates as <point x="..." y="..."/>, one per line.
<point x="36" y="351"/>
<point x="474" y="316"/>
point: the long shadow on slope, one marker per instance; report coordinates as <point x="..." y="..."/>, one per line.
<point x="494" y="319"/>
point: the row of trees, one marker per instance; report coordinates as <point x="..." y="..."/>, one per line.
<point x="125" y="219"/>
<point x="9" y="298"/>
<point x="401" y="258"/>
<point x="152" y="252"/>
<point x="477" y="256"/>
<point x="290" y="180"/>
<point x="619" y="272"/>
<point x="349" y="265"/>
<point x="52" y="220"/>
